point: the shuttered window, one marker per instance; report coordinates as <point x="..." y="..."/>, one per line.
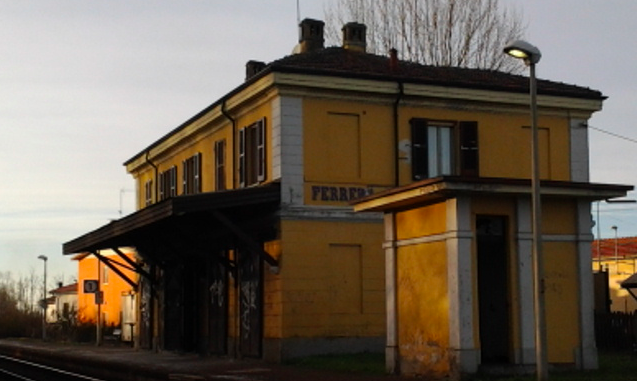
<point x="168" y="183"/>
<point x="252" y="154"/>
<point x="220" y="165"/>
<point x="442" y="148"/>
<point x="191" y="174"/>
<point x="468" y="132"/>
<point x="148" y="192"/>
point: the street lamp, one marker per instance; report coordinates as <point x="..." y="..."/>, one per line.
<point x="44" y="304"/>
<point x="531" y="56"/>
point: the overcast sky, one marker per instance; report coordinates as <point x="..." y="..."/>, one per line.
<point x="87" y="84"/>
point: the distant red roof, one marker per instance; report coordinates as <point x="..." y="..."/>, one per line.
<point x="69" y="289"/>
<point x="626" y="247"/>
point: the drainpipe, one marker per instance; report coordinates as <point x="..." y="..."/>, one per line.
<point x="156" y="175"/>
<point x="394" y="67"/>
<point x="401" y="92"/>
<point x="236" y="328"/>
<point x="234" y="130"/>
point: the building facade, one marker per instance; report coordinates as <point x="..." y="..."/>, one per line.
<point x="62" y="306"/>
<point x="458" y="240"/>
<point x="247" y="239"/>
<point x="113" y="300"/>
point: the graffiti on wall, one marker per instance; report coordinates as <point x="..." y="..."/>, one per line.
<point x="249" y="304"/>
<point x="217" y="291"/>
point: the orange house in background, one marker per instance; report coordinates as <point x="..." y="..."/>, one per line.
<point x="118" y="296"/>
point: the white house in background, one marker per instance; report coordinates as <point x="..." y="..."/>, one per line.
<point x="64" y="304"/>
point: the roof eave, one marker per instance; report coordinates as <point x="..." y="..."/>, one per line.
<point x="432" y="190"/>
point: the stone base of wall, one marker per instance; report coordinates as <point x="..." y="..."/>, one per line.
<point x="278" y="350"/>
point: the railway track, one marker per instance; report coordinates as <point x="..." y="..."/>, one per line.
<point x="17" y="369"/>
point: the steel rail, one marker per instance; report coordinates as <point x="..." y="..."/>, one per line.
<point x="27" y="368"/>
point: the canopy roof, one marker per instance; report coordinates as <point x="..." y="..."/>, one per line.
<point x="432" y="190"/>
<point x="190" y="222"/>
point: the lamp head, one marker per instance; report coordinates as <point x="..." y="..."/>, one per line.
<point x="523" y="50"/>
<point x="43" y="257"/>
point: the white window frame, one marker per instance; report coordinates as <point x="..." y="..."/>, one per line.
<point x="440" y="158"/>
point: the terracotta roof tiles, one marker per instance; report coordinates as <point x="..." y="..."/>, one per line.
<point x="347" y="63"/>
<point x="71" y="288"/>
<point x="626" y="248"/>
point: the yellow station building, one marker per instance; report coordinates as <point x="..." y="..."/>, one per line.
<point x="250" y="246"/>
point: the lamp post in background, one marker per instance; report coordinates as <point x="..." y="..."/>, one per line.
<point x="598" y="224"/>
<point x="44" y="303"/>
<point x="531" y="56"/>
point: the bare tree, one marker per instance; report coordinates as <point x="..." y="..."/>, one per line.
<point x="17" y="315"/>
<point x="458" y="33"/>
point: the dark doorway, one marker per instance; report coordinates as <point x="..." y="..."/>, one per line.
<point x="196" y="307"/>
<point x="173" y="308"/>
<point x="493" y="291"/>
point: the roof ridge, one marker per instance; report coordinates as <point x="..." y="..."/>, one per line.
<point x="338" y="61"/>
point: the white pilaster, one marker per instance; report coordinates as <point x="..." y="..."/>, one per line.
<point x="579" y="150"/>
<point x="588" y="350"/>
<point x="460" y="284"/>
<point x="391" y="301"/>
<point x="287" y="148"/>
<point x="526" y="353"/>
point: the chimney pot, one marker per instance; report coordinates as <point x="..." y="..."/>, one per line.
<point x="393" y="59"/>
<point x="253" y="68"/>
<point x="311" y="35"/>
<point x="354" y="37"/>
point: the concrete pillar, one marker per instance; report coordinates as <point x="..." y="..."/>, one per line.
<point x="525" y="354"/>
<point x="587" y="356"/>
<point x="392" y="362"/>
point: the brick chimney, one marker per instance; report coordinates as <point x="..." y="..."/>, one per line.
<point x="354" y="37"/>
<point x="311" y="36"/>
<point x="393" y="60"/>
<point x="253" y="68"/>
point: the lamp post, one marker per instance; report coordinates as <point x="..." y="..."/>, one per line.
<point x="616" y="256"/>
<point x="598" y="224"/>
<point x="44" y="304"/>
<point x="531" y="56"/>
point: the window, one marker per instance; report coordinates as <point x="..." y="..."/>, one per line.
<point x="443" y="148"/>
<point x="191" y="174"/>
<point x="220" y="165"/>
<point x="252" y="154"/>
<point x="168" y="183"/>
<point x="66" y="311"/>
<point x="148" y="192"/>
<point x="104" y="274"/>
